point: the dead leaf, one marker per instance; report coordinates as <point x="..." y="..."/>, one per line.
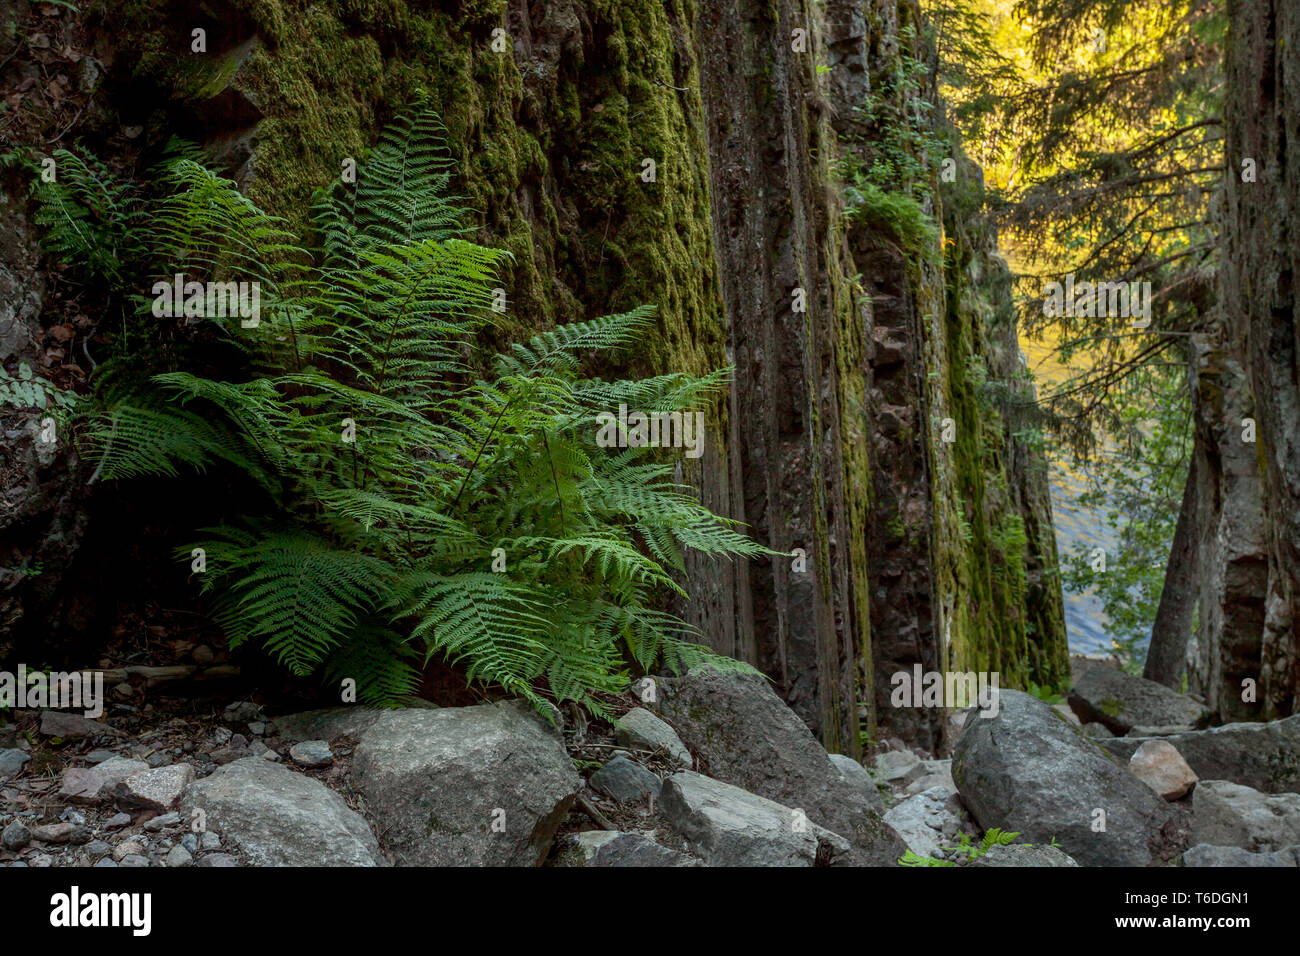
<point x="61" y="333"/>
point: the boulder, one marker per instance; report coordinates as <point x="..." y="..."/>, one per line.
<point x="1121" y="701"/>
<point x="626" y="781"/>
<point x="1263" y="755"/>
<point x="1203" y="854"/>
<point x="744" y="734"/>
<point x="465" y="786"/>
<point x="1028" y="770"/>
<point x="614" y="848"/>
<point x="1022" y="854"/>
<point x="1159" y="765"/>
<point x="280" y="817"/>
<point x="1228" y="814"/>
<point x="728" y="826"/>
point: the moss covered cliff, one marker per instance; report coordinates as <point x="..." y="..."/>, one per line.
<point x="701" y="157"/>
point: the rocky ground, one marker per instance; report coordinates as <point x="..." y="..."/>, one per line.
<point x="705" y="770"/>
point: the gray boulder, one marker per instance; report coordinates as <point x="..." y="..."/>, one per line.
<point x="465" y="786"/>
<point x="745" y="735"/>
<point x="1120" y="701"/>
<point x="280" y="817"/>
<point x="1030" y="771"/>
<point x="728" y="826"/>
<point x="1263" y="755"/>
<point x="1203" y="854"/>
<point x="1019" y="854"/>
<point x="614" y="848"/>
<point x="1228" y="814"/>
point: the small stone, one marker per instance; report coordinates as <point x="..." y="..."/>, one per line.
<point x="237" y="741"/>
<point x="53" y="833"/>
<point x="117" y="821"/>
<point x="221" y="735"/>
<point x="40" y="860"/>
<point x="106" y="861"/>
<point x="202" y="654"/>
<point x="156" y="760"/>
<point x="179" y="856"/>
<point x="134" y="859"/>
<point x="123" y="690"/>
<point x="191" y="842"/>
<point x="210" y="841"/>
<point x="99" y="756"/>
<point x="16" y="835"/>
<point x="243" y="711"/>
<point x="158" y="789"/>
<point x="218" y="859"/>
<point x="1159" y="765"/>
<point x="11" y="763"/>
<point x="69" y="815"/>
<point x="56" y="723"/>
<point x="256" y="728"/>
<point x="626" y="781"/>
<point x="641" y="729"/>
<point x="98" y="848"/>
<point x="312" y="753"/>
<point x="129" y="848"/>
<point x="163" y="822"/>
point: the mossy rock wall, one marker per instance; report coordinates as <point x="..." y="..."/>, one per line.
<point x="840" y="334"/>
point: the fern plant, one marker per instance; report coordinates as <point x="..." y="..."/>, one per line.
<point x="414" y="498"/>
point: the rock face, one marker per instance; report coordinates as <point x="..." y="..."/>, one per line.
<point x="744" y="735"/>
<point x="612" y="848"/>
<point x="1228" y="814"/>
<point x="465" y="786"/>
<point x="280" y="817"/>
<point x="1120" y="701"/>
<point x="1159" y="765"/>
<point x="728" y="826"/>
<point x="1264" y="755"/>
<point x="1029" y="771"/>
